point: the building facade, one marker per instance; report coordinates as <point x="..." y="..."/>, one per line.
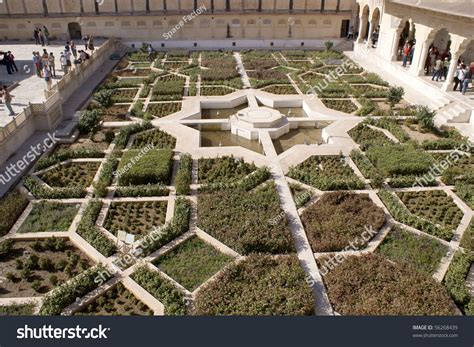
<point x="151" y="19"/>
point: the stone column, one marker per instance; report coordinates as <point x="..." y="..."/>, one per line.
<point x="458" y="45"/>
<point x="362" y="26"/>
<point x="452" y="69"/>
<point x="394" y="48"/>
<point x="371" y="30"/>
<point x="419" y="58"/>
<point x="411" y="33"/>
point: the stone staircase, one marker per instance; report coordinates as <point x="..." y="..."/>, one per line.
<point x="454" y="113"/>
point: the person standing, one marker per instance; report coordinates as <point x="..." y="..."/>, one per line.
<point x="7" y="99"/>
<point x="36" y="36"/>
<point x="41" y="37"/>
<point x="73" y="49"/>
<point x="446" y="68"/>
<point x="37" y="63"/>
<point x="47" y="77"/>
<point x="63" y="62"/>
<point x="438" y="69"/>
<point x="85" y="39"/>
<point x="467" y="79"/>
<point x="52" y="64"/>
<point x="412" y="53"/>
<point x="405" y="52"/>
<point x="8" y="64"/>
<point x="68" y="55"/>
<point x="90" y="44"/>
<point x="350" y="34"/>
<point x="12" y="61"/>
<point x="150" y="53"/>
<point x="46" y="34"/>
<point x="459" y="77"/>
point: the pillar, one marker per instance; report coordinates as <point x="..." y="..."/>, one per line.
<point x="394" y="48"/>
<point x="371" y="30"/>
<point x="452" y="69"/>
<point x="411" y="33"/>
<point x="419" y="58"/>
<point x="362" y="26"/>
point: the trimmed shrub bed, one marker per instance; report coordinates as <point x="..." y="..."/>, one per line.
<point x="17" y="310"/>
<point x="455" y="281"/>
<point x="326" y="173"/>
<point x="401" y="213"/>
<point x="372" y="285"/>
<point x="421" y="252"/>
<point x="152" y="167"/>
<point x="192" y="263"/>
<point x="158" y="138"/>
<point x="49" y="216"/>
<point x="280" y="89"/>
<point x="161" y="289"/>
<point x="259" y="285"/>
<point x="216" y="90"/>
<point x="435" y="206"/>
<point x="65" y="295"/>
<point x="118" y="301"/>
<point x="138" y="218"/>
<point x="88" y="230"/>
<point x="183" y="177"/>
<point x="32" y="268"/>
<point x="71" y="175"/>
<point x="242" y="220"/>
<point x="223" y="170"/>
<point x="393" y="160"/>
<point x="338" y="218"/>
<point x="367" y="137"/>
<point x="163" y="109"/>
<point x="346" y="106"/>
<point x="11" y="207"/>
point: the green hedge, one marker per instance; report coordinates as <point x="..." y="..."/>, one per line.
<point x="152" y="167"/>
<point x="393" y="160"/>
<point x="455" y="280"/>
<point x="247" y="183"/>
<point x="163" y="290"/>
<point x="61" y="297"/>
<point x="11" y="207"/>
<point x="141" y="191"/>
<point x="89" y="232"/>
<point x="105" y="177"/>
<point x="41" y="192"/>
<point x="183" y="178"/>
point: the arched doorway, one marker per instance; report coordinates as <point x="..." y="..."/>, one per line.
<point x="407" y="34"/>
<point x="74" y="30"/>
<point x="364" y="24"/>
<point x="374" y="28"/>
<point x="439" y="45"/>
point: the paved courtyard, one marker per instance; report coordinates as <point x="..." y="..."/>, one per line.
<point x="30" y="88"/>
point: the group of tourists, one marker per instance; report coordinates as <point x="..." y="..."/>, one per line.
<point x="41" y="36"/>
<point x="45" y="63"/>
<point x="438" y="64"/>
<point x="8" y="60"/>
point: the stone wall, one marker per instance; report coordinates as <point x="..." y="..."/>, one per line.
<point x="149" y="20"/>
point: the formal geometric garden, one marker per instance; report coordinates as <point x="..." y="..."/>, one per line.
<point x="371" y="215"/>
